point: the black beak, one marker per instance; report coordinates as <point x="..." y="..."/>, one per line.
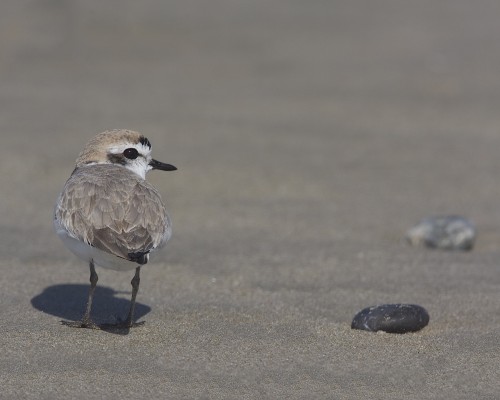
<point x="162" y="166"/>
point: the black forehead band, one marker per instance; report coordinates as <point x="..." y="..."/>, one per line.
<point x="144" y="141"/>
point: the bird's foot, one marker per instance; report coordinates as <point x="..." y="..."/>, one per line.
<point x="88" y="324"/>
<point x="122" y="325"/>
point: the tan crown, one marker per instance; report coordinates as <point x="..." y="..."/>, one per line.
<point x="96" y="149"/>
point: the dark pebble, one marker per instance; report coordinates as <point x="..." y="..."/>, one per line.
<point x="391" y="318"/>
<point x="450" y="232"/>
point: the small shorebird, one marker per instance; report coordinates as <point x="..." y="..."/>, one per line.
<point x="109" y="215"/>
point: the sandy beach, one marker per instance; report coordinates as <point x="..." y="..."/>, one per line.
<point x="309" y="136"/>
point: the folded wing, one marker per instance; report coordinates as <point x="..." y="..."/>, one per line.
<point x="114" y="210"/>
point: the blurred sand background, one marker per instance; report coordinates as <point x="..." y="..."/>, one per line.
<point x="309" y="136"/>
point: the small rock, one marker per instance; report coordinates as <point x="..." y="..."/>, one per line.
<point x="443" y="232"/>
<point x="391" y="318"/>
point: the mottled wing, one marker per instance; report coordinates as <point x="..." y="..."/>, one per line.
<point x="114" y="210"/>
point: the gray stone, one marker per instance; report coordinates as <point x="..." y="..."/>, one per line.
<point x="443" y="232"/>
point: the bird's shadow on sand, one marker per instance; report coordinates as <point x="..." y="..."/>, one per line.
<point x="68" y="302"/>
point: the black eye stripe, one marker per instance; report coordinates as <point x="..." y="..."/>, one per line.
<point x="131" y="153"/>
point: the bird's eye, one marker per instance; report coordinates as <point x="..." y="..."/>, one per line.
<point x="131" y="153"/>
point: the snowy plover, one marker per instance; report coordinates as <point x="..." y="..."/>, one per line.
<point x="108" y="214"/>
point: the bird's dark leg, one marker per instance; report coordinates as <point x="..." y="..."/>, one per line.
<point x="129" y="322"/>
<point x="86" y="321"/>
<point x="136" y="280"/>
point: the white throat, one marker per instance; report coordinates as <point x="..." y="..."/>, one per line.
<point x="138" y="166"/>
